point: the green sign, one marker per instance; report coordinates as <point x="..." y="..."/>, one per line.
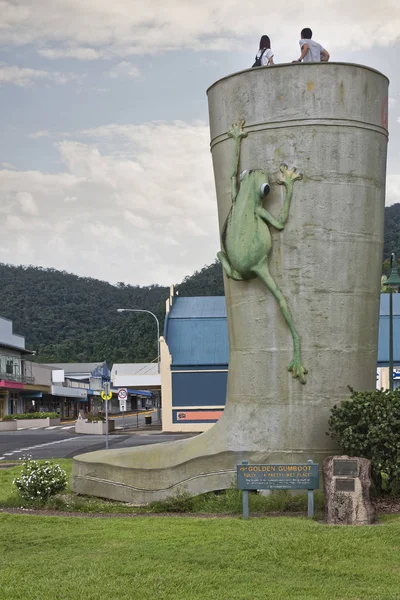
<point x="277" y="477"/>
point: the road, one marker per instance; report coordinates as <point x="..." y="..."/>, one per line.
<point x="63" y="442"/>
<point x="134" y="420"/>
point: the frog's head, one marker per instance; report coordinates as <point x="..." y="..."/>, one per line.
<point x="255" y="180"/>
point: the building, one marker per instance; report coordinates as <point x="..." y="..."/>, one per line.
<point x="77" y="386"/>
<point x="25" y="386"/>
<point x="142" y="382"/>
<point x="14" y="370"/>
<point x="195" y="354"/>
<point x="382" y="378"/>
<point x="194" y="362"/>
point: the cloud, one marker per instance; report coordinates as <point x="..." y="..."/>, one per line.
<point x="392" y="189"/>
<point x="143" y="215"/>
<point x="24" y="77"/>
<point x="27" y="203"/>
<point x="134" y="203"/>
<point x="103" y="29"/>
<point x="79" y="53"/>
<point x="123" y="69"/>
<point x="36" y="135"/>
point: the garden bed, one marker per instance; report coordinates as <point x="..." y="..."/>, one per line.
<point x="8" y="425"/>
<point x="30" y="423"/>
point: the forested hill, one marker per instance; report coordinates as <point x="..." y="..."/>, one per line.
<point x="392" y="231"/>
<point x="67" y="318"/>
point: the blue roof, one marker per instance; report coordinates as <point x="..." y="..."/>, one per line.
<point x="198" y="307"/>
<point x="196" y="331"/>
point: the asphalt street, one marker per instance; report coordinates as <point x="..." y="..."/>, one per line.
<point x="65" y="443"/>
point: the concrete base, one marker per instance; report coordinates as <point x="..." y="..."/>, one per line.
<point x="203" y="463"/>
<point x="8" y="425"/>
<point x="93" y="428"/>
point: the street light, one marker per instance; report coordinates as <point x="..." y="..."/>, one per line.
<point x="158" y="328"/>
<point x="393" y="283"/>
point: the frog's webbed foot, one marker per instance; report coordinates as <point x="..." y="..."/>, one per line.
<point x="298" y="369"/>
<point x="236" y="130"/>
<point x="289" y="176"/>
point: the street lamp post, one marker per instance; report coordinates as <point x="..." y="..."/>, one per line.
<point x="158" y="328"/>
<point x="393" y="283"/>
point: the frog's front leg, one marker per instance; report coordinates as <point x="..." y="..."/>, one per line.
<point x="236" y="132"/>
<point x="229" y="270"/>
<point x="289" y="176"/>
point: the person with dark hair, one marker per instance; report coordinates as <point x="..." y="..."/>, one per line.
<point x="264" y="56"/>
<point x="311" y="51"/>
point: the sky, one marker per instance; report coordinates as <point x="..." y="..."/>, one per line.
<point x="105" y="167"/>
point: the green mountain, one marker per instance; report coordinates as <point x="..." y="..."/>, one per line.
<point x="66" y="318"/>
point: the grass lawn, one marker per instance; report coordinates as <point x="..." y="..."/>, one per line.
<point x="146" y="558"/>
<point x="178" y="558"/>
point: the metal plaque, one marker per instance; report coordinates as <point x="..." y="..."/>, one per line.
<point x="345" y="468"/>
<point x="277" y="477"/>
<point x="345" y="485"/>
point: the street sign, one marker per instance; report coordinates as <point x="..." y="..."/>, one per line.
<point x="122" y="394"/>
<point x="277" y="477"/>
<point x="122" y="405"/>
<point x="106" y="396"/>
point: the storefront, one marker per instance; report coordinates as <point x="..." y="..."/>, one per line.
<point x="72" y="400"/>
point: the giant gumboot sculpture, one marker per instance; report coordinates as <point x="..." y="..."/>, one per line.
<point x="302" y="257"/>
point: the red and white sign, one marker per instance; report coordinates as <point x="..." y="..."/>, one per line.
<point x="122" y="394"/>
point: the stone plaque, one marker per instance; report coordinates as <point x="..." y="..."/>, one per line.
<point x="345" y="468"/>
<point x="347" y="500"/>
<point x="345" y="485"/>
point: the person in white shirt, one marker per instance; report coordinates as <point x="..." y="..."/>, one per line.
<point x="264" y="56"/>
<point x="311" y="51"/>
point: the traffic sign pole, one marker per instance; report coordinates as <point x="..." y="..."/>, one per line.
<point x="122" y="397"/>
<point x="106" y="395"/>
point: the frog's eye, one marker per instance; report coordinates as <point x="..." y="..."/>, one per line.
<point x="242" y="174"/>
<point x="265" y="189"/>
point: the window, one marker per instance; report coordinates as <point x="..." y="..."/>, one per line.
<point x="9" y="367"/>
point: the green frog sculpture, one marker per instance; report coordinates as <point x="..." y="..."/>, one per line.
<point x="246" y="238"/>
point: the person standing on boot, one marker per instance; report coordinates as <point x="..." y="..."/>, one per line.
<point x="311" y="51"/>
<point x="264" y="56"/>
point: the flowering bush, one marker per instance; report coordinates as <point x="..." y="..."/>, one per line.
<point x="40" y="481"/>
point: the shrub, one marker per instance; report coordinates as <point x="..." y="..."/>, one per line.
<point x="94" y="418"/>
<point x="8" y="418"/>
<point x="181" y="502"/>
<point x="36" y="415"/>
<point x="368" y="425"/>
<point x="40" y="481"/>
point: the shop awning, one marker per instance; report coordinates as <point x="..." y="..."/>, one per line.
<point x="140" y="393"/>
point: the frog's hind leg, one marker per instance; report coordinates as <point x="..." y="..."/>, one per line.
<point x="230" y="272"/>
<point x="296" y="365"/>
